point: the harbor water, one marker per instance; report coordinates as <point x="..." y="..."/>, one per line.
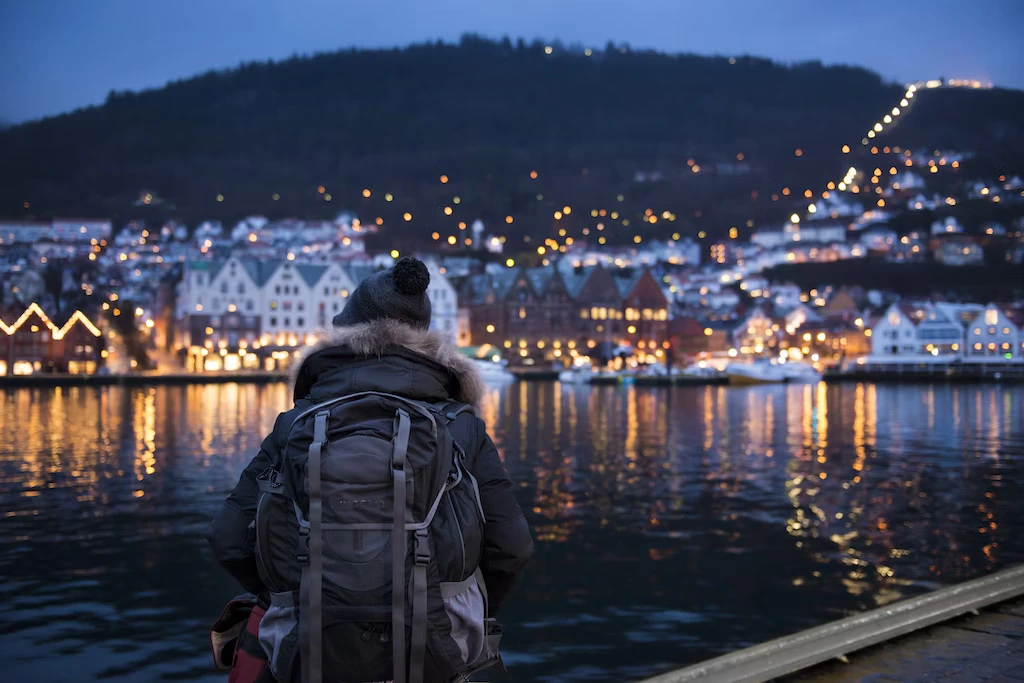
<point x="672" y="524"/>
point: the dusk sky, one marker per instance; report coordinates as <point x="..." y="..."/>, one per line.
<point x="57" y="55"/>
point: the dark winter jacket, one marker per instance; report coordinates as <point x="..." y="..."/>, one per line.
<point x="394" y="358"/>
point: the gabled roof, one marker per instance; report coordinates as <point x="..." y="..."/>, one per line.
<point x="576" y="279"/>
<point x="213" y="267"/>
<point x="626" y="279"/>
<point x="310" y="273"/>
<point x="260" y="271"/>
<point x="539" y="278"/>
<point x="479" y="287"/>
<point x="503" y="280"/>
<point x="360" y="271"/>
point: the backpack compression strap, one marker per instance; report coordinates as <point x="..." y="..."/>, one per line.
<point x="313" y="578"/>
<point x="399" y="546"/>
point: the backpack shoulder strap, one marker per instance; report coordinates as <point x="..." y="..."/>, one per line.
<point x="452" y="409"/>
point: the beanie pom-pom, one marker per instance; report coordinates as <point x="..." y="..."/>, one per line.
<point x="411" y="276"/>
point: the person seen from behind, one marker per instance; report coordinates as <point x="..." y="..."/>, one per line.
<point x="376" y="531"/>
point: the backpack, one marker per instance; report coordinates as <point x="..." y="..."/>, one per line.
<point x="369" y="533"/>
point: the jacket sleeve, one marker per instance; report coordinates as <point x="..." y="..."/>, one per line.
<point x="229" y="534"/>
<point x="507" y="542"/>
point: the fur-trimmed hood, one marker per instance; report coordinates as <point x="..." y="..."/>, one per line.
<point x="383" y="337"/>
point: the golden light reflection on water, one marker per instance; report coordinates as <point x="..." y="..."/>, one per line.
<point x="868" y="488"/>
<point x="871" y="485"/>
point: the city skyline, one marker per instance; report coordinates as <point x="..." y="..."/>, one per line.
<point x="73" y="57"/>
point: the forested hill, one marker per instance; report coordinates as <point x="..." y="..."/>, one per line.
<point x="485" y="114"/>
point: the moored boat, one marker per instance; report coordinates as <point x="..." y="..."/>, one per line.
<point x="493" y="371"/>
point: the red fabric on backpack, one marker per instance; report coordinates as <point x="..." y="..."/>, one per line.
<point x="250" y="662"/>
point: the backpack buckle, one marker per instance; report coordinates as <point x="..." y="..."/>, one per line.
<point x="421" y="554"/>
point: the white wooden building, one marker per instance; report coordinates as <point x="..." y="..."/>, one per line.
<point x="444" y="303"/>
<point x="910" y="331"/>
<point x="993" y="335"/>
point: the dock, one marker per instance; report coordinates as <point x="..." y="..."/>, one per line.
<point x="924" y="370"/>
<point x="973" y="631"/>
<point x="141" y="379"/>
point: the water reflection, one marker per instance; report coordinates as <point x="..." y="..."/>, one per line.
<point x="671" y="524"/>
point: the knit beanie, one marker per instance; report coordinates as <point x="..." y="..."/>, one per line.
<point x="398" y="293"/>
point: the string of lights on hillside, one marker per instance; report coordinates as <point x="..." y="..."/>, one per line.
<point x="652" y="217"/>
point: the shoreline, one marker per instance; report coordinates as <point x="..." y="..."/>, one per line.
<point x="141" y="379"/>
<point x="260" y="377"/>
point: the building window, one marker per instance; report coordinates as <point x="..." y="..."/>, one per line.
<point x="335" y="305"/>
<point x="273" y="305"/>
<point x="584" y="314"/>
<point x="300" y="323"/>
<point x="301" y="305"/>
<point x="1006" y="330"/>
<point x="277" y="290"/>
<point x="522" y="313"/>
<point x="287" y="322"/>
<point x="327" y="291"/>
<point x="991" y="316"/>
<point x="241" y="288"/>
<point x="977" y="330"/>
<point x="223" y="288"/>
<point x="273" y="321"/>
<point x="249" y="305"/>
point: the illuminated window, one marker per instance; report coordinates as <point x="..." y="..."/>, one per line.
<point x="991" y="316"/>
<point x="584" y="314"/>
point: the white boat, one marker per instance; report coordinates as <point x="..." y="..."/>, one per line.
<point x="659" y="370"/>
<point x="493" y="370"/>
<point x="577" y="374"/>
<point x="796" y="371"/>
<point x="756" y="372"/>
<point x="764" y="371"/>
<point x="701" y="370"/>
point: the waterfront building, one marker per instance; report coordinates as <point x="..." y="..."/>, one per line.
<point x="992" y="335"/>
<point x="32" y="342"/>
<point x="444" y="304"/>
<point x="916" y="331"/>
<point x="270" y="306"/>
